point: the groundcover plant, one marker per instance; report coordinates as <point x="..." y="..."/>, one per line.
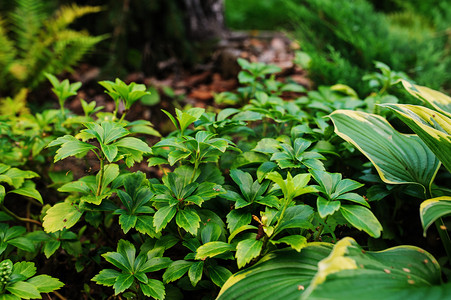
<point x="262" y="199"/>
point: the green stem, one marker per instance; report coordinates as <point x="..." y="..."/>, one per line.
<point x="282" y="213"/>
<point x="99" y="186"/>
<point x="444" y="236"/>
<point x="17" y="217"/>
<point x="196" y="165"/>
<point x="320" y="230"/>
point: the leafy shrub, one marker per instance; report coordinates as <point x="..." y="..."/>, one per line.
<point x="266" y="189"/>
<point x="344" y="38"/>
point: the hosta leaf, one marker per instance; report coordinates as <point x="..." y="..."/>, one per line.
<point x="433" y="209"/>
<point x="60" y="216"/>
<point x="24" y="290"/>
<point x="106" y="277"/>
<point x="163" y="216"/>
<point x="402" y="272"/>
<point x="246" y="250"/>
<point x="188" y="220"/>
<point x="438" y="100"/>
<point x="195" y="272"/>
<point x="176" y="270"/>
<point x="154" y="288"/>
<point x="212" y="249"/>
<point x="398" y="158"/>
<point x="362" y="218"/>
<point x="297" y="242"/>
<point x="431" y="126"/>
<point x="45" y="283"/>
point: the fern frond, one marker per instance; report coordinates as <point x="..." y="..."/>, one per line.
<point x="7" y="51"/>
<point x="26" y="23"/>
<point x="16" y="105"/>
<point x="67" y="14"/>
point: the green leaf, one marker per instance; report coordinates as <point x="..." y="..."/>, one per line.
<point x="154" y="288"/>
<point x="218" y="274"/>
<point x="23" y="243"/>
<point x="134" y="144"/>
<point x="60" y="216"/>
<point x="123" y="282"/>
<point x="354" y="198"/>
<point x="239" y="230"/>
<point x="72" y="148"/>
<point x="45" y="283"/>
<point x="432" y="127"/>
<point x="398" y="158"/>
<point x="26" y="269"/>
<point x="326" y="207"/>
<point x="176" y="270"/>
<point x="293" y="271"/>
<point x="188" y="219"/>
<point x="24" y="290"/>
<point x="163" y="216"/>
<point x="362" y="218"/>
<point x="28" y="189"/>
<point x="297" y="242"/>
<point x="176" y="155"/>
<point x="246" y="250"/>
<point x="110" y="151"/>
<point x="127" y="222"/>
<point x="106" y="277"/>
<point x="188" y="117"/>
<point x="402" y="272"/>
<point x="237" y="218"/>
<point x="110" y="172"/>
<point x="2" y="194"/>
<point x="212" y="249"/>
<point x="155" y="264"/>
<point x="50" y="247"/>
<point x="195" y="272"/>
<point x="433" y="209"/>
<point x="145" y="225"/>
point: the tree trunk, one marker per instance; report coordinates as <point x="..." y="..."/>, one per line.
<point x="205" y="18"/>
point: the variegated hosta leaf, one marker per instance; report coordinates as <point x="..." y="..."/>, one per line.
<point x="399" y="158"/>
<point x="431" y="126"/>
<point x="403" y="272"/>
<point x="439" y="101"/>
<point x="433" y="209"/>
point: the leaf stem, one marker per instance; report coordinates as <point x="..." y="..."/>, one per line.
<point x="99" y="186"/>
<point x="17" y="217"/>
